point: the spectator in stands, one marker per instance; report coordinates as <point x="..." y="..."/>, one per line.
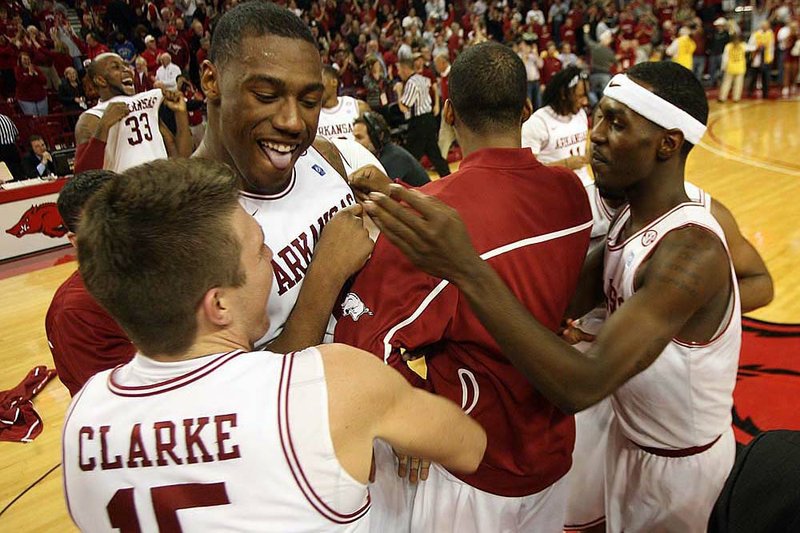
<point x="70" y="92"/>
<point x="551" y="64"/>
<point x="38" y="162"/>
<point x="94" y="47"/>
<point x="167" y="74"/>
<point x="8" y="62"/>
<point x="699" y="54"/>
<point x="568" y="59"/>
<point x="66" y="35"/>
<point x="529" y="53"/>
<point x="372" y="131"/>
<point x="83" y="338"/>
<point x="177" y="47"/>
<point x="37" y="46"/>
<point x="124" y="48"/>
<point x="447" y="134"/>
<point x="8" y="147"/>
<point x="195" y="105"/>
<point x="681" y="50"/>
<point x="377" y="86"/>
<point x="602" y="59"/>
<point x="151" y="54"/>
<point x="31" y="87"/>
<point x="791" y="59"/>
<point x="734" y="66"/>
<point x="762" y="48"/>
<point x="719" y="39"/>
<point x="141" y="77"/>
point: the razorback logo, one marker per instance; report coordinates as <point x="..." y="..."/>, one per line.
<point x="354" y="307"/>
<point x="43" y="218"/>
<point x="768" y="382"/>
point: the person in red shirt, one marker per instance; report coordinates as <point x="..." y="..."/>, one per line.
<point x="31" y="87"/>
<point x="82" y="336"/>
<point x="550" y="64"/>
<point x="532" y="223"/>
<point x="568" y="33"/>
<point x="94" y="47"/>
<point x="176" y="47"/>
<point x="141" y="77"/>
<point x="151" y="54"/>
<point x="8" y="62"/>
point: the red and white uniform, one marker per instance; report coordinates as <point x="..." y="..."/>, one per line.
<point x="671" y="445"/>
<point x="553" y="137"/>
<point x="226" y="442"/>
<point x="337" y="121"/>
<point x="532" y="224"/>
<point x="293" y="220"/>
<point x="135" y="139"/>
<point x="586" y="505"/>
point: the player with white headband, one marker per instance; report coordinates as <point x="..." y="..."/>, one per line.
<point x="668" y="352"/>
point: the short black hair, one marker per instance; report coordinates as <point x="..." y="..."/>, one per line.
<point x="77" y="192"/>
<point x="254" y="19"/>
<point x="677" y="85"/>
<point x="488" y="87"/>
<point x="330" y="71"/>
<point x="557" y="94"/>
<point x="35" y="137"/>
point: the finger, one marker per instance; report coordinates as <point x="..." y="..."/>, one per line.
<point x="414" y="474"/>
<point x="399" y="212"/>
<point x="424" y="469"/>
<point x="355" y="210"/>
<point x="428" y="206"/>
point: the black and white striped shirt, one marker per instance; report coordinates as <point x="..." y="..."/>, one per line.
<point x="417" y="96"/>
<point x="8" y="131"/>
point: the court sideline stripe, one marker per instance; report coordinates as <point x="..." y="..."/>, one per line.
<point x="21" y="494"/>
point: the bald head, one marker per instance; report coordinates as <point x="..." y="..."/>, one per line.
<point x="111" y="75"/>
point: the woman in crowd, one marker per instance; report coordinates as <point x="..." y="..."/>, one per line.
<point x="70" y="92"/>
<point x="31" y="87"/>
<point x="376" y="85"/>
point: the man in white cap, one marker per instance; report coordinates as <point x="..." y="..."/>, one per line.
<point x="668" y="353"/>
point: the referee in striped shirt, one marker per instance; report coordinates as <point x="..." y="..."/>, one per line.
<point x="8" y="148"/>
<point x="415" y="101"/>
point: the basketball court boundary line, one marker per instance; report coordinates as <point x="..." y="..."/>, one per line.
<point x="24" y="492"/>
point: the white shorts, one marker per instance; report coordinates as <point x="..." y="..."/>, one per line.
<point x="646" y="492"/>
<point x="391" y="496"/>
<point x="586" y="478"/>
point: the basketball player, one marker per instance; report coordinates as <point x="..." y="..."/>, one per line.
<point x="198" y="432"/>
<point x="338" y="112"/>
<point x="123" y="129"/>
<point x="534" y="222"/>
<point x="82" y="336"/>
<point x="264" y="89"/>
<point x="668" y="352"/>
<point x="557" y="133"/>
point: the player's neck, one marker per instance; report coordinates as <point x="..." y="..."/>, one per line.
<point x="331" y="102"/>
<point x="202" y="348"/>
<point x="651" y="198"/>
<point x="471" y="142"/>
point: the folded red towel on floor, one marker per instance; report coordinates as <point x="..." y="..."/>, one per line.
<point x="19" y="422"/>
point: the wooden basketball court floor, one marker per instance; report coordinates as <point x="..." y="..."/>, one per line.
<point x="749" y="160"/>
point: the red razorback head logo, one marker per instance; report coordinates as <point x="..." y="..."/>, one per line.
<point x="43" y="218"/>
<point x="768" y="383"/>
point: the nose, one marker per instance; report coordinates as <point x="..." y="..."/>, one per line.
<point x="288" y="118"/>
<point x="598" y="135"/>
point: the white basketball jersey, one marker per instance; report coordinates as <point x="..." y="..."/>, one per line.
<point x="355" y="156"/>
<point x="227" y="442"/>
<point x="292" y="221"/>
<point x="684" y="398"/>
<point x="552" y="137"/>
<point x="337" y="122"/>
<point x="135" y="139"/>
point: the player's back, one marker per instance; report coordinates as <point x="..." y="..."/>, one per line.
<point x="237" y="441"/>
<point x="337" y="121"/>
<point x="136" y="139"/>
<point x="532" y="224"/>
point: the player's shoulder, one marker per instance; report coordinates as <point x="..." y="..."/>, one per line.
<point x="329" y="153"/>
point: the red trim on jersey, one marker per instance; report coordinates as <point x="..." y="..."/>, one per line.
<point x="294" y="463"/>
<point x="276" y="196"/>
<point x="614" y="247"/>
<point x="684" y="452"/>
<point x="187" y="378"/>
<point x="336" y="108"/>
<point x="587" y="525"/>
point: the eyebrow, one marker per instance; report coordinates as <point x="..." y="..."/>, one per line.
<point x="280" y="84"/>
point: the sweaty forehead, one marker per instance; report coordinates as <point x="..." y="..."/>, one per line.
<point x="278" y="57"/>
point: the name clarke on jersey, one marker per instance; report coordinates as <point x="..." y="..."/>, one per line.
<point x="290" y="263"/>
<point x="163" y="443"/>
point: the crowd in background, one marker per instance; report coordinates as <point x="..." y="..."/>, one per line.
<point x="43" y="57"/>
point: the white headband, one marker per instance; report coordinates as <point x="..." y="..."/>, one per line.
<point x="654" y="108"/>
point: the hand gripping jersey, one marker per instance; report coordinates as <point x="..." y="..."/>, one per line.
<point x="684" y="398"/>
<point x="532" y="224"/>
<point x="135" y="139"/>
<point x="337" y="121"/>
<point x="226" y="442"/>
<point x="553" y="137"/>
<point x="292" y="221"/>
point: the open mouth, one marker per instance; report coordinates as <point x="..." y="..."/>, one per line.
<point x="279" y="154"/>
<point x="128" y="83"/>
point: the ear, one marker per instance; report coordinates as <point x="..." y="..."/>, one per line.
<point x="210" y="82"/>
<point x="73" y="239"/>
<point x="215" y="309"/>
<point x="448" y="113"/>
<point x="527" y="110"/>
<point x="670" y="145"/>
